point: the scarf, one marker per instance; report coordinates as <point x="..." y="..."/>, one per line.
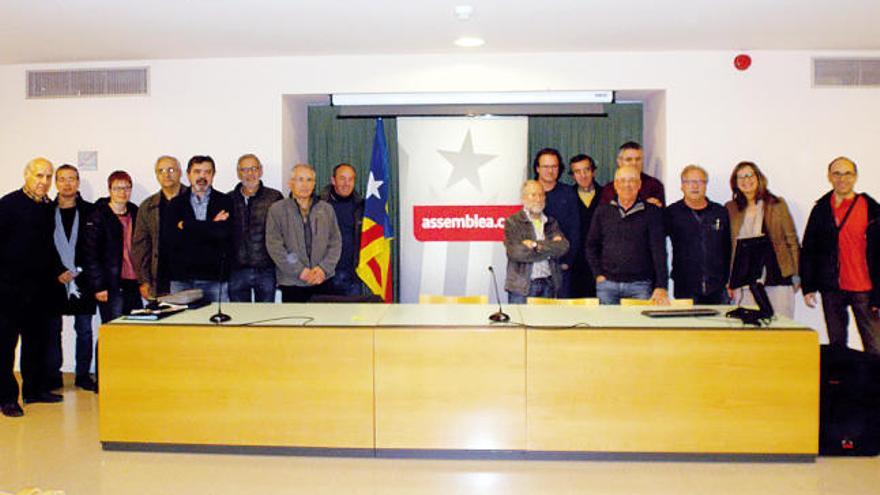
<point x="67" y="249"/>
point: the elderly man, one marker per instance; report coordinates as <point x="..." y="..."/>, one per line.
<point x="30" y="272"/>
<point x="588" y="191"/>
<point x="534" y="244"/>
<point x="349" y="209"/>
<point x="151" y="243"/>
<point x="71" y="216"/>
<point x="202" y="239"/>
<point x="253" y="273"/>
<point x="626" y="246"/>
<point x="840" y="257"/>
<point x="560" y="204"/>
<point x="303" y="239"/>
<point x="700" y="234"/>
<point x="630" y="154"/>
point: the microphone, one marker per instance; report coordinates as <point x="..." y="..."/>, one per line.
<point x="220" y="317"/>
<point x="500" y="315"/>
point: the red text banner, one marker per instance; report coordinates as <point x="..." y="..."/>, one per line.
<point x="461" y="223"/>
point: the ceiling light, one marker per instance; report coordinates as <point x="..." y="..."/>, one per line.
<point x="469" y="42"/>
<point x="463" y="12"/>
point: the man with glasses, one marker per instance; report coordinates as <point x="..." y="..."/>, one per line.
<point x="561" y="204"/>
<point x="151" y="249"/>
<point x="631" y="154"/>
<point x="202" y="238"/>
<point x="840" y="257"/>
<point x="700" y="234"/>
<point x="626" y="246"/>
<point x="303" y="239"/>
<point x="253" y="273"/>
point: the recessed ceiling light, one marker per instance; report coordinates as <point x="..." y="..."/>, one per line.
<point x="463" y="12"/>
<point x="469" y="42"/>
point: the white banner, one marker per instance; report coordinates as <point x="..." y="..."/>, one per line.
<point x="459" y="178"/>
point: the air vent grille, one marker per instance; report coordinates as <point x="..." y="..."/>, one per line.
<point x="88" y="82"/>
<point x="846" y="72"/>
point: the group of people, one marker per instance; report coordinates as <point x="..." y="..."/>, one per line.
<point x="589" y="240"/>
<point x="69" y="256"/>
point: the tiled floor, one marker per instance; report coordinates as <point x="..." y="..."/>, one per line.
<point x="56" y="447"/>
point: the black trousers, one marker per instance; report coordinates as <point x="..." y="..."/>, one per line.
<point x="295" y="293"/>
<point x="34" y="329"/>
<point x="834" y="306"/>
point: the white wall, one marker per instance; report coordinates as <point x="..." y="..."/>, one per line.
<point x="714" y="115"/>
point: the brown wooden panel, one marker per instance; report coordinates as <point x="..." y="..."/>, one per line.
<point x="237" y="385"/>
<point x="712" y="391"/>
<point x="450" y="388"/>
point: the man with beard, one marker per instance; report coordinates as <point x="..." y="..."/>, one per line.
<point x="534" y="244"/>
<point x="253" y="273"/>
<point x="202" y="239"/>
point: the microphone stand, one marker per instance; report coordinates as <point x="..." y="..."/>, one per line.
<point x="220" y="317"/>
<point x="499" y="316"/>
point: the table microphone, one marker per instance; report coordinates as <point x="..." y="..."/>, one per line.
<point x="500" y="315"/>
<point x="220" y="317"/>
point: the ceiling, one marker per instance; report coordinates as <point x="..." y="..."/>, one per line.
<point x="46" y="31"/>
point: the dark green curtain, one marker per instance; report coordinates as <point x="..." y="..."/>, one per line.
<point x="598" y="137"/>
<point x="333" y="140"/>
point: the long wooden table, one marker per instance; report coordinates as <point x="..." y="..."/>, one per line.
<point x="437" y="380"/>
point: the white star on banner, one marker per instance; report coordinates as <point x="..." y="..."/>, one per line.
<point x="373" y="186"/>
<point x="465" y="163"/>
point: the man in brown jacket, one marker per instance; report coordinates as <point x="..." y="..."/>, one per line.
<point x="151" y="236"/>
<point x="534" y="244"/>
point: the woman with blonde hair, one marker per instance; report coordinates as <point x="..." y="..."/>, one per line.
<point x="755" y="211"/>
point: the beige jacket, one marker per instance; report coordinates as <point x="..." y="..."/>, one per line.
<point x="779" y="227"/>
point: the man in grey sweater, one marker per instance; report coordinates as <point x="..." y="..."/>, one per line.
<point x="303" y="239"/>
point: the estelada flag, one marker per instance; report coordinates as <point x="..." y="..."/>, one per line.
<point x="374" y="267"/>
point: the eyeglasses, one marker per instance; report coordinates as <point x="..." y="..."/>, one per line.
<point x="66" y="179"/>
<point x="849" y="174"/>
<point x="627" y="181"/>
<point x="744" y="176"/>
<point x="120" y="188"/>
<point x="168" y="170"/>
<point x="548" y="166"/>
<point x="303" y="179"/>
<point x="247" y="170"/>
<point x="693" y="182"/>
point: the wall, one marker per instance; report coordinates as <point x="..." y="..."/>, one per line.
<point x="714" y="115"/>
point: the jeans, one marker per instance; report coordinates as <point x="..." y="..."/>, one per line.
<point x="82" y="324"/>
<point x="538" y="287"/>
<point x="834" y="305"/>
<point x="610" y="292"/>
<point x="209" y="287"/>
<point x="121" y="301"/>
<point x="345" y="284"/>
<point x="259" y="283"/>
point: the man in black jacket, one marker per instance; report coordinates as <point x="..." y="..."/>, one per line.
<point x="840" y="257"/>
<point x="253" y="273"/>
<point x="202" y="239"/>
<point x="30" y="270"/>
<point x="626" y="246"/>
<point x="588" y="191"/>
<point x="349" y="209"/>
<point x="700" y="234"/>
<point x="71" y="215"/>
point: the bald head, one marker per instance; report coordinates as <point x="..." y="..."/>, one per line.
<point x="38" y="176"/>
